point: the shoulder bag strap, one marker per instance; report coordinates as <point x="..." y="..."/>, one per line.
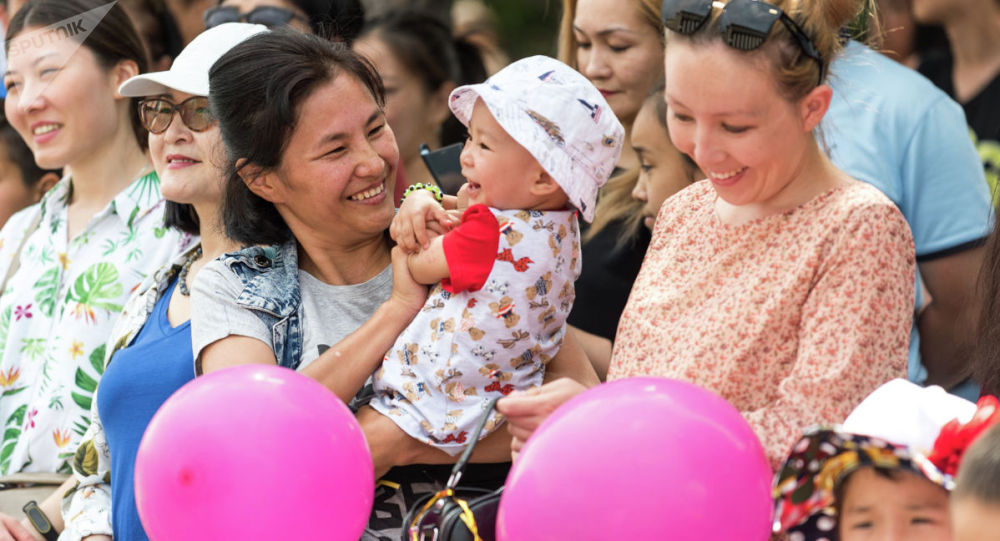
<point x="459" y="469"/>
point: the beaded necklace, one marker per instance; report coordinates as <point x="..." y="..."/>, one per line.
<point x="182" y="275"/>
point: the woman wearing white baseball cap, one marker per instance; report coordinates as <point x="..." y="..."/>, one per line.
<point x="151" y="342"/>
<point x="187" y="152"/>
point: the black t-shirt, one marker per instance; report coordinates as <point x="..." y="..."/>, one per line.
<point x="606" y="279"/>
<point x="982" y="112"/>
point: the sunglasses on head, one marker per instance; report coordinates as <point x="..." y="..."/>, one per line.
<point x="744" y="24"/>
<point x="158" y="113"/>
<point x="269" y="16"/>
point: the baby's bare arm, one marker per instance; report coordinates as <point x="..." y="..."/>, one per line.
<point x="429" y="265"/>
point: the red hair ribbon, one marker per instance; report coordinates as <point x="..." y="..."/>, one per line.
<point x="955" y="437"/>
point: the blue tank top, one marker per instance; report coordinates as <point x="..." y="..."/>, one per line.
<point x="137" y="381"/>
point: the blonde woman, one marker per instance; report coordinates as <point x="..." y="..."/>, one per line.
<point x="780" y="283"/>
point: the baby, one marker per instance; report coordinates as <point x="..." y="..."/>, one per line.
<point x="542" y="141"/>
<point x="887" y="473"/>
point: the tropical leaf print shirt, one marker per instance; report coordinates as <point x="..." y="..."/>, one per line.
<point x="58" y="308"/>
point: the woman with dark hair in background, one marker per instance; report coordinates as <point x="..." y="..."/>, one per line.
<point x="618" y="46"/>
<point x="72" y="260"/>
<point x="333" y="19"/>
<point x="663" y="169"/>
<point x="420" y="64"/>
<point x="968" y="69"/>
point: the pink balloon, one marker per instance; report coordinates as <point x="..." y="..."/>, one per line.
<point x="254" y="452"/>
<point x="643" y="458"/>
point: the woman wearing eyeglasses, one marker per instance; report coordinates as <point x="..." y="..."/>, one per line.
<point x="70" y="262"/>
<point x="779" y="282"/>
<point x="334" y="19"/>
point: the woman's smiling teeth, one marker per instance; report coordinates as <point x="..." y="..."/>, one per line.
<point x="368" y="194"/>
<point x="726" y="174"/>
<point x="42" y="130"/>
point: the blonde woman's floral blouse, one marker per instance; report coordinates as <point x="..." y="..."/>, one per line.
<point x="793" y="318"/>
<point x="57" y="310"/>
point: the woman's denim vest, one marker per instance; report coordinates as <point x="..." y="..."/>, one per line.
<point x="271" y="292"/>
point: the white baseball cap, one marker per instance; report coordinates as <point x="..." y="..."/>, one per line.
<point x="189" y="72"/>
<point x="558" y="116"/>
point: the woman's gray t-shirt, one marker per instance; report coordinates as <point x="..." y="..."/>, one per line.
<point x="329" y="313"/>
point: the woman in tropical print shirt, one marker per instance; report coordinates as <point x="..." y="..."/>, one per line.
<point x="92" y="239"/>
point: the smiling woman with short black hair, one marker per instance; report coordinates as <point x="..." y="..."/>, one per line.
<point x="319" y="286"/>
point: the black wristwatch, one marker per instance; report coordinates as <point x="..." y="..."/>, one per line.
<point x="41" y="522"/>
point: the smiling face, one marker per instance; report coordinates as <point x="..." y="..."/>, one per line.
<point x="61" y="100"/>
<point x="903" y="507"/>
<point x="189" y="163"/>
<point x="663" y="170"/>
<point x="619" y="52"/>
<point x="500" y="172"/>
<point x="724" y="110"/>
<point x="338" y="169"/>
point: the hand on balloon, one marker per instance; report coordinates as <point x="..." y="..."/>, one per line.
<point x="97" y="538"/>
<point x="420" y="218"/>
<point x="526" y="410"/>
<point x="631" y="440"/>
<point x="12" y="530"/>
